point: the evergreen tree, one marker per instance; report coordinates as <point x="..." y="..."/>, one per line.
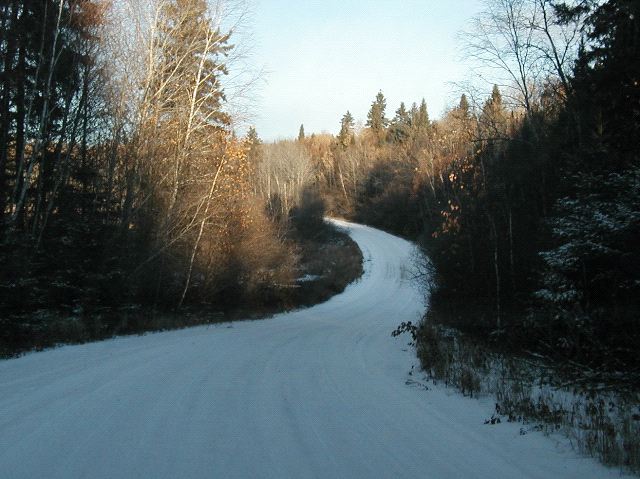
<point x="414" y="113"/>
<point x="400" y="128"/>
<point x="420" y="123"/>
<point x="493" y="118"/>
<point x="606" y="85"/>
<point x="252" y="136"/>
<point x="187" y="144"/>
<point x="423" y="121"/>
<point x="46" y="58"/>
<point x="186" y="97"/>
<point x="589" y="279"/>
<point x="376" y="119"/>
<point x="255" y="146"/>
<point x="301" y="133"/>
<point x="463" y="107"/>
<point x="192" y="63"/>
<point x="345" y="137"/>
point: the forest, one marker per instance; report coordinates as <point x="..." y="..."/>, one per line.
<point x="526" y="199"/>
<point x="125" y="194"/>
<point x="131" y="200"/>
<point x="125" y="187"/>
<point x="124" y="181"/>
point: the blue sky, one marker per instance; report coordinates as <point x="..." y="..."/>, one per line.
<point x="324" y="57"/>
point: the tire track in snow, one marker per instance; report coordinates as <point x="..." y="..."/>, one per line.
<point x="319" y="392"/>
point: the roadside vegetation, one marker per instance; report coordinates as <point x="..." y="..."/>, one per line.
<point x="127" y="201"/>
<point x="524" y="194"/>
<point x="601" y="418"/>
<point x="327" y="260"/>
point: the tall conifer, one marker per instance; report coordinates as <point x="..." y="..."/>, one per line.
<point x="376" y="120"/>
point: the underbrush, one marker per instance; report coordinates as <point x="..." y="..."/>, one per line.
<point x="601" y="419"/>
<point x="327" y="265"/>
<point x="48" y="328"/>
<point x="328" y="261"/>
<point x="329" y="258"/>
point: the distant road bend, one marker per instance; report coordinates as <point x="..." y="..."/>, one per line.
<point x="317" y="393"/>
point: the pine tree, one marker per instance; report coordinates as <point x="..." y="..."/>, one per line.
<point x="496" y="96"/>
<point x="192" y="55"/>
<point x="192" y="168"/>
<point x="589" y="279"/>
<point x="423" y="116"/>
<point x="400" y="128"/>
<point x="184" y="109"/>
<point x="46" y="53"/>
<point x="463" y="107"/>
<point x="345" y="137"/>
<point x="414" y="113"/>
<point x="376" y="120"/>
<point x="301" y="133"/>
<point x="254" y="143"/>
<point x="252" y="136"/>
<point x="606" y="83"/>
<point x="493" y="118"/>
<point x="420" y="118"/>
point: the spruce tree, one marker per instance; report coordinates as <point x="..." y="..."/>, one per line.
<point x="463" y="107"/>
<point x="493" y="118"/>
<point x="376" y="120"/>
<point x="414" y="113"/>
<point x="252" y="136"/>
<point x="192" y="62"/>
<point x="607" y="87"/>
<point x="420" y="122"/>
<point x="423" y="115"/>
<point x="400" y="128"/>
<point x="345" y="137"/>
<point x="255" y="145"/>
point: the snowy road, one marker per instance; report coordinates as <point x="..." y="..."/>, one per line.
<point x="319" y="393"/>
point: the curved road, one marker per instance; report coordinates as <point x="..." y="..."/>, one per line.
<point x="318" y="393"/>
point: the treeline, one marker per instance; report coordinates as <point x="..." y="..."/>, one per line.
<point x="124" y="192"/>
<point x="527" y="200"/>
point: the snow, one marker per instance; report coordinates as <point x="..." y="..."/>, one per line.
<point x="320" y="392"/>
<point x="308" y="277"/>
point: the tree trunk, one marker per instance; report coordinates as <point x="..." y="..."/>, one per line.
<point x="9" y="22"/>
<point x="200" y="232"/>
<point x="512" y="267"/>
<point x="62" y="166"/>
<point x="39" y="146"/>
<point x="496" y="267"/>
<point x="20" y="120"/>
<point x="47" y="171"/>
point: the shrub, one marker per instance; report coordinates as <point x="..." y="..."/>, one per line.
<point x="308" y="216"/>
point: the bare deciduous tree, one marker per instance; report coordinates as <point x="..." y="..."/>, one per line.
<point x="523" y="46"/>
<point x="285" y="170"/>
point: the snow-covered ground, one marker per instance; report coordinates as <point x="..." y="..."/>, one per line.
<point x="321" y="392"/>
